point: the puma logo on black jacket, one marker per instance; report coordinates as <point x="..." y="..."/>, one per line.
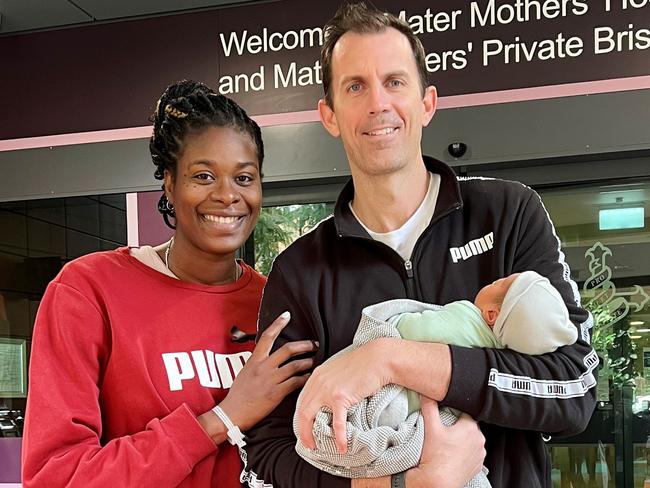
<point x="481" y="230"/>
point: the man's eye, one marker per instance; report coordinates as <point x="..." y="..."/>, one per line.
<point x="395" y="83"/>
<point x="204" y="177"/>
<point x="354" y="87"/>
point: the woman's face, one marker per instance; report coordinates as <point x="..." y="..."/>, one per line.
<point x="217" y="190"/>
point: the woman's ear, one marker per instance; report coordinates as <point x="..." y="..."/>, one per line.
<point x="168" y="182"/>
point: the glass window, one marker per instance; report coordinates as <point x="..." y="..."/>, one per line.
<point x="605" y="235"/>
<point x="38" y="237"/>
<point x="281" y="225"/>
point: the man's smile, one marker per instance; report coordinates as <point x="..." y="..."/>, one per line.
<point x="381" y="132"/>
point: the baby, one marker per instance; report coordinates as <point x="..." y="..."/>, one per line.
<point x="523" y="312"/>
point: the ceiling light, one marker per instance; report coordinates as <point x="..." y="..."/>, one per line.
<point x="621" y="218"/>
<point x="635" y="337"/>
<point x="642" y="330"/>
<point x="637" y="322"/>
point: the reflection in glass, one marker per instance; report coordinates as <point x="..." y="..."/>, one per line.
<point x="610" y="262"/>
<point x="38" y="237"/>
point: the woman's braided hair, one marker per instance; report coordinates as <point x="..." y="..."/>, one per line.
<point x="189" y="107"/>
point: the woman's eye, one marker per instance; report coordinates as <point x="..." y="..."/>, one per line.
<point x="204" y="177"/>
<point x="244" y="179"/>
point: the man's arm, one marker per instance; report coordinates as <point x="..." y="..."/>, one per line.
<point x="271" y="443"/>
<point x="439" y="466"/>
<point x="552" y="393"/>
<point x="450" y="453"/>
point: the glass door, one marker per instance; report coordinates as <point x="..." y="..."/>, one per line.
<point x="605" y="235"/>
<point x="37" y="237"/>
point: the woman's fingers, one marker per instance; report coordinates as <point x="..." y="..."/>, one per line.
<point x="268" y="337"/>
<point x="294" y="383"/>
<point x="291" y="349"/>
<point x="293" y="368"/>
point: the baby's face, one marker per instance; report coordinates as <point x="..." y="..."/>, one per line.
<point x="491" y="296"/>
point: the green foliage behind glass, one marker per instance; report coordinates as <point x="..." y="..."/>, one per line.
<point x="607" y="339"/>
<point x="280" y="226"/>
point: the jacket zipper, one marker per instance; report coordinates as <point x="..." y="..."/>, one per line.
<point x="408" y="264"/>
<point x="409" y="268"/>
<point x="410" y="280"/>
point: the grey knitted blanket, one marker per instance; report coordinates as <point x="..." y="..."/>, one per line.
<point x="374" y="449"/>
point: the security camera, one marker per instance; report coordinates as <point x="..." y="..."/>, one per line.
<point x="457" y="149"/>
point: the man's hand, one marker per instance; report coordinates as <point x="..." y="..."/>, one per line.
<point x="339" y="384"/>
<point x="451" y="456"/>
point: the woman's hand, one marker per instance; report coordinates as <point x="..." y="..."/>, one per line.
<point x="266" y="380"/>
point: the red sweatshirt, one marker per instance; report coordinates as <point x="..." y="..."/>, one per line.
<point x="123" y="360"/>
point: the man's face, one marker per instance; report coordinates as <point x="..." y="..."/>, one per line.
<point x="378" y="105"/>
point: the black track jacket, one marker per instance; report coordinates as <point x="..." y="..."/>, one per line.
<point x="482" y="229"/>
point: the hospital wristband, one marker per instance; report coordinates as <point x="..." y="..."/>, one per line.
<point x="235" y="435"/>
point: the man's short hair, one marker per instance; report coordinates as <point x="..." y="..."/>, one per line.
<point x="359" y="18"/>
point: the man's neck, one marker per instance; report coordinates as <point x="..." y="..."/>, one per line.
<point x="385" y="202"/>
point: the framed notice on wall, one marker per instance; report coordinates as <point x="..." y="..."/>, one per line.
<point x="13" y="368"/>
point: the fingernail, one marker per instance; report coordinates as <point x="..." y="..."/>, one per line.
<point x="316" y="344"/>
<point x="286" y="315"/>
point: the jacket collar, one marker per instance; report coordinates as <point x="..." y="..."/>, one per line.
<point x="449" y="198"/>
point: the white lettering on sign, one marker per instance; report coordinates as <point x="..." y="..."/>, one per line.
<point x="607" y="40"/>
<point x="431" y="22"/>
<point x="240" y="43"/>
<point x="523" y="11"/>
<point x="518" y="51"/>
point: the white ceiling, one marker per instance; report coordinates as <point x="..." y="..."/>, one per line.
<point x="28" y="15"/>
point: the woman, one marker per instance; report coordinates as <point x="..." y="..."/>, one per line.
<point x="132" y="348"/>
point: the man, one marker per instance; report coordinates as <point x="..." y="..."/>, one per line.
<point x="406" y="227"/>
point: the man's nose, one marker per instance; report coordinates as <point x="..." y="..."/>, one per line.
<point x="378" y="99"/>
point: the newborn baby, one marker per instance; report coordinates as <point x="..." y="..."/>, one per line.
<point x="523" y="312"/>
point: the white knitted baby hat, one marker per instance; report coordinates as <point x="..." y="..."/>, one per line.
<point x="533" y="304"/>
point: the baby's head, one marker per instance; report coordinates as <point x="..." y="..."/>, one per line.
<point x="490" y="298"/>
<point x="527" y="296"/>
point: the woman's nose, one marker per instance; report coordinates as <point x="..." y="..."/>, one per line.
<point x="225" y="192"/>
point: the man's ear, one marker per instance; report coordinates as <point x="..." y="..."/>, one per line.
<point x="328" y="118"/>
<point x="429" y="104"/>
<point x="490" y="314"/>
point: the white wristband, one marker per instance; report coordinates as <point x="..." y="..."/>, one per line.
<point x="235" y="435"/>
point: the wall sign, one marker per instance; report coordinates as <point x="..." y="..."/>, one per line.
<point x="265" y="55"/>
